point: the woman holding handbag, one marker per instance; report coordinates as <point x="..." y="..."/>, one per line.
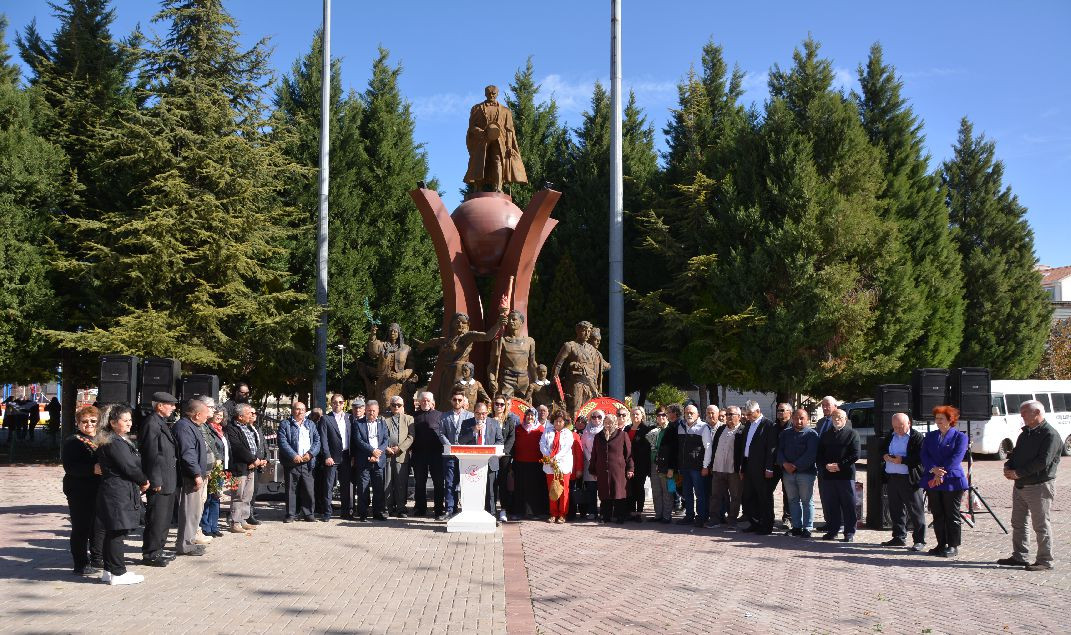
<point x="944" y="480"/>
<point x="556" y="445"/>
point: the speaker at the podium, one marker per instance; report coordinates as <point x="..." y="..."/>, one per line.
<point x="158" y="374"/>
<point x="890" y="399"/>
<point x="929" y="389"/>
<point x="969" y="390"/>
<point x="200" y="385"/>
<point x="118" y="380"/>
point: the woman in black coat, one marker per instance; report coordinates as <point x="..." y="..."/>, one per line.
<point x="81" y="479"/>
<point x="119" y="497"/>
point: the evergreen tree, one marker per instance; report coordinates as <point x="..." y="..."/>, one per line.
<point x="932" y="318"/>
<point x="542" y="140"/>
<point x="188" y="265"/>
<point x="1008" y="313"/>
<point x="1056" y="361"/>
<point x="32" y="184"/>
<point x="556" y="315"/>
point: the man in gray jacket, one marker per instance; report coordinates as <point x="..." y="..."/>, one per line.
<point x="1032" y="467"/>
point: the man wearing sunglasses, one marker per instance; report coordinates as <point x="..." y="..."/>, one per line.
<point x="449" y="429"/>
<point x="400" y="439"/>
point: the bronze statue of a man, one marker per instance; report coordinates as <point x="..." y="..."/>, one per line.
<point x="454" y="349"/>
<point x="494" y="157"/>
<point x="393" y="365"/>
<point x="602" y="366"/>
<point x="512" y="367"/>
<point x="576" y="367"/>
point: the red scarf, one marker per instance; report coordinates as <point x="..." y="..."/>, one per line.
<point x="556" y="446"/>
<point x="217" y="428"/>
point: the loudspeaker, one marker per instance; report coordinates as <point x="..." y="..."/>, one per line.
<point x="929" y="389"/>
<point x="158" y="374"/>
<point x="969" y="390"/>
<point x="207" y="385"/>
<point x="877" y="497"/>
<point x="118" y="380"/>
<point x="890" y="399"/>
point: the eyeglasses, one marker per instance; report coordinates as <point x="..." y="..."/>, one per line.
<point x="88" y="421"/>
<point x="457" y="399"/>
<point x="783" y="410"/>
<point x="500" y="404"/>
<point x="396" y="405"/>
<point x="599" y="417"/>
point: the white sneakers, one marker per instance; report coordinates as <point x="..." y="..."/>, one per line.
<point x="127" y="578"/>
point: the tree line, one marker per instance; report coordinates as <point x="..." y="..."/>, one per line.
<point x="158" y="198"/>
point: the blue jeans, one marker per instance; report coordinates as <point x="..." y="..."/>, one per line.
<point x="696" y="498"/>
<point x="800" y="491"/>
<point x="451" y="480"/>
<point x="210" y="516"/>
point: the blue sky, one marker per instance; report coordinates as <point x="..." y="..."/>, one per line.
<point x="1003" y="64"/>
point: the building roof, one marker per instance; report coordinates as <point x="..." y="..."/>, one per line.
<point x="1052" y="275"/>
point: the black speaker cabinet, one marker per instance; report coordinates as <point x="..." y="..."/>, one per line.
<point x="118" y="380"/>
<point x="194" y="385"/>
<point x="158" y="374"/>
<point x="969" y="390"/>
<point x="890" y="399"/>
<point x="929" y="389"/>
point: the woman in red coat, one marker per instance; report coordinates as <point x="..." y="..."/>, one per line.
<point x="611" y="463"/>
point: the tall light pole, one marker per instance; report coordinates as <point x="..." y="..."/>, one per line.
<point x="617" y="204"/>
<point x="342" y="377"/>
<point x="319" y="384"/>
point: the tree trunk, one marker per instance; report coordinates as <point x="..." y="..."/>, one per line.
<point x="69" y="388"/>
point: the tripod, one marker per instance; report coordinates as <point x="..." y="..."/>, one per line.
<point x="972" y="492"/>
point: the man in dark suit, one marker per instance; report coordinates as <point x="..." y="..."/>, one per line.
<point x="157" y="446"/>
<point x="508" y="422"/>
<point x="369" y="443"/>
<point x="299" y="445"/>
<point x="756" y="449"/>
<point x="483" y="430"/>
<point x="335" y="462"/>
<point x="449" y="428"/>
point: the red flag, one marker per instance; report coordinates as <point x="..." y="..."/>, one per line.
<point x="558" y="383"/>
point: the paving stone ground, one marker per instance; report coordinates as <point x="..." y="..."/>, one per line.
<point x="410" y="576"/>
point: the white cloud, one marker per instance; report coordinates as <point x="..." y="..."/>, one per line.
<point x="843" y="79"/>
<point x="936" y="71"/>
<point x="444" y="104"/>
<point x="574" y="96"/>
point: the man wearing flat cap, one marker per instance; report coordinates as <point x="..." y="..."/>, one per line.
<point x="158" y="460"/>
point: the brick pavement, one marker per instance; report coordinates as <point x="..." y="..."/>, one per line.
<point x="580" y="578"/>
<point x="302" y="577"/>
<point x="653" y="578"/>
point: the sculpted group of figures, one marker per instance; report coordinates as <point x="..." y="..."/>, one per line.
<point x="512" y="369"/>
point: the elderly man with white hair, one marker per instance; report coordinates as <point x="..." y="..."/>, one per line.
<point x="693" y="455"/>
<point x="1032" y="467"/>
<point x="903" y="471"/>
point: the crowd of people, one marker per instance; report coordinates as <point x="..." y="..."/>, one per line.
<point x="718" y="472"/>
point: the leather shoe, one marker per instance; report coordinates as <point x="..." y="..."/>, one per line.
<point x="288" y="519"/>
<point x="252" y="520"/>
<point x="848" y="538"/>
<point x="217" y="534"/>
<point x="440" y="517"/>
<point x="154" y="562"/>
<point x="86" y="571"/>
<point x="939" y="550"/>
<point x="686" y="521"/>
<point x="362" y="519"/>
<point x="309" y="519"/>
<point x="1013" y="562"/>
<point x="1038" y="566"/>
<point x="829" y="536"/>
<point x="237" y="529"/>
<point x="951" y="552"/>
<point x="379" y="517"/>
<point x="895" y="542"/>
<point x="197" y="551"/>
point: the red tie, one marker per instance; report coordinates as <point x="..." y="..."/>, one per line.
<point x="479" y="438"/>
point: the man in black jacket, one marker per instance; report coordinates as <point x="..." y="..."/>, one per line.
<point x="247" y="455"/>
<point x="756" y="449"/>
<point x="158" y="460"/>
<point x="903" y="469"/>
<point x="1032" y="467"/>
<point x="427" y="457"/>
<point x="334" y="428"/>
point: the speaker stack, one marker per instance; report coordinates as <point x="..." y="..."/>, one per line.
<point x="118" y="380"/>
<point x="969" y="390"/>
<point x="200" y="385"/>
<point x="929" y="389"/>
<point x="158" y="374"/>
<point x="890" y="399"/>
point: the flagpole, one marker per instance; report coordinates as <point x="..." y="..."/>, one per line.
<point x="319" y="387"/>
<point x="617" y="303"/>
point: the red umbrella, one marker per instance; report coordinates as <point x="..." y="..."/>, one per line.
<point x="606" y="404"/>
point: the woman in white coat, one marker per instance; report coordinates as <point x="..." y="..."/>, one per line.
<point x="556" y="444"/>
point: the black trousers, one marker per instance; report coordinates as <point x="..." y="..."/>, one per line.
<point x="159" y="509"/>
<point x="637" y="495"/>
<point x="113" y="551"/>
<point x="505" y="495"/>
<point x="756" y="497"/>
<point x="906" y="505"/>
<point x="85" y="530"/>
<point x="422" y="466"/>
<point x="369" y="476"/>
<point x="299" y="490"/>
<point x="491" y="497"/>
<point x="325" y="485"/>
<point x="530" y="489"/>
<point x="947" y="524"/>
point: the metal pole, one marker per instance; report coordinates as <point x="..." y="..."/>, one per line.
<point x="617" y="204"/>
<point x="319" y="384"/>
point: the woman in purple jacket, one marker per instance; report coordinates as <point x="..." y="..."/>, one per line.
<point x="944" y="480"/>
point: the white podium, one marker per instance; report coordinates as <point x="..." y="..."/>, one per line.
<point x="472" y="474"/>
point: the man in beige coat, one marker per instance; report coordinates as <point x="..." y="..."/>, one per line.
<point x="400" y="439"/>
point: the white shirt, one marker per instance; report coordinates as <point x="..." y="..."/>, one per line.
<point x="373" y="433"/>
<point x="304" y="443"/>
<point x="343" y="424"/>
<point x="751" y="430"/>
<point x="723" y="454"/>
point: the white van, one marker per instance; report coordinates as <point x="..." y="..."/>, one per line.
<point x="995" y="436"/>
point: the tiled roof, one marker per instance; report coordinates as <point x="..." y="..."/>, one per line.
<point x="1052" y="275"/>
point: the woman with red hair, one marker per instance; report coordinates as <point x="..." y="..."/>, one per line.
<point x="944" y="480"/>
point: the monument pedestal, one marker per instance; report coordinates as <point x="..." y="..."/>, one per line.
<point x="472" y="473"/>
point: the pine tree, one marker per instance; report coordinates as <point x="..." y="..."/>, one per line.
<point x="1008" y="313"/>
<point x="189" y="264"/>
<point x="542" y="140"/>
<point x="1056" y="361"/>
<point x="557" y="315"/>
<point x="32" y="185"/>
<point x="912" y="199"/>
